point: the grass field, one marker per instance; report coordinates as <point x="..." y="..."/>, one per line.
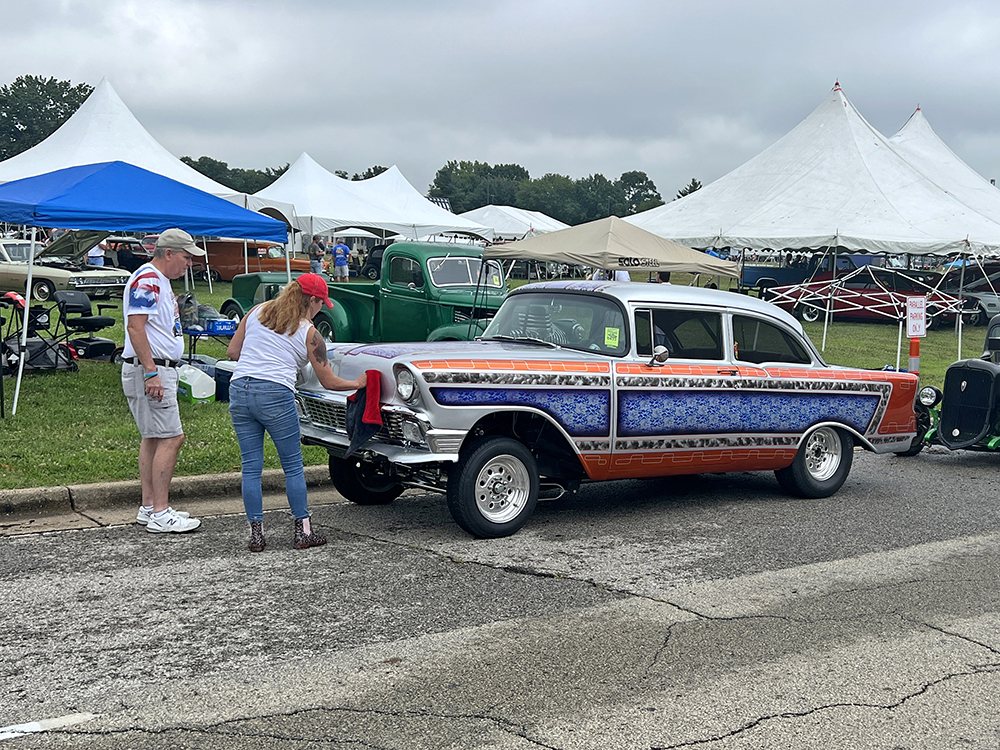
<point x="75" y="428"/>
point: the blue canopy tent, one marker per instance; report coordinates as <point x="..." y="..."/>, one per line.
<point x="116" y="196"/>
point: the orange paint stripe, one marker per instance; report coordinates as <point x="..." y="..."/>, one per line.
<point x="517" y="365"/>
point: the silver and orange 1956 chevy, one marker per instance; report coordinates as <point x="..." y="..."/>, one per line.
<point x="581" y="381"/>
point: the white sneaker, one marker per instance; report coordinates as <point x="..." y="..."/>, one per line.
<point x="171" y="521"/>
<point x="143" y="516"/>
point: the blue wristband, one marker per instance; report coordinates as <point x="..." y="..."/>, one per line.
<point x="148" y="375"/>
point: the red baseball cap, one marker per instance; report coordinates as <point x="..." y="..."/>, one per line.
<point x="314" y="285"/>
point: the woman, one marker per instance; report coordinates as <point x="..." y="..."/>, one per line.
<point x="272" y="343"/>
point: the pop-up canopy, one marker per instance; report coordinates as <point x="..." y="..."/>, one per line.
<point x="613" y="244"/>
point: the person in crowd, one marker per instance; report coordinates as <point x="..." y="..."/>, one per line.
<point x="620" y="275"/>
<point x="95" y="256"/>
<point x="153" y="349"/>
<point x="273" y="341"/>
<point x="663" y="277"/>
<point x="341" y="260"/>
<point x="316" y="253"/>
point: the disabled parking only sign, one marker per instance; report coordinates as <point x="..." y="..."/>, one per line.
<point x="916" y="317"/>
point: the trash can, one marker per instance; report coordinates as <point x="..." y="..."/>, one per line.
<point x="223" y="374"/>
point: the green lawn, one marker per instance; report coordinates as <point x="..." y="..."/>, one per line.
<point x="75" y="427"/>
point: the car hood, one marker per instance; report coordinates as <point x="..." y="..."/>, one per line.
<point x="73" y="245"/>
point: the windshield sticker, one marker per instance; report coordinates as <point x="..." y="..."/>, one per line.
<point x="496" y="280"/>
<point x="611" y="337"/>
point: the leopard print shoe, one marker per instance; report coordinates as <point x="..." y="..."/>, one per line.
<point x="303" y="540"/>
<point x="257" y="542"/>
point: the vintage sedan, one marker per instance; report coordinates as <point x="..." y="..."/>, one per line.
<point x="578" y="381"/>
<point x="57" y="267"/>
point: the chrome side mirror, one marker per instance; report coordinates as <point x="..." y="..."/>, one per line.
<point x="660" y="356"/>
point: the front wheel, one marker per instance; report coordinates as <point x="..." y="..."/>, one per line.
<point x="821" y="466"/>
<point x="360" y="483"/>
<point x="978" y="317"/>
<point x="42" y="290"/>
<point x="372" y="273"/>
<point x="923" y="427"/>
<point x="325" y="328"/>
<point x="493" y="489"/>
<point x="809" y="314"/>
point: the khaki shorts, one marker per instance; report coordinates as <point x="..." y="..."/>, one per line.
<point x="155" y="419"/>
<point x="340" y="272"/>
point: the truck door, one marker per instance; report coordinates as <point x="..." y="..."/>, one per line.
<point x="404" y="311"/>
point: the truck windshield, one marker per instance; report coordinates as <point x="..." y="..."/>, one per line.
<point x="461" y="271"/>
<point x="575" y="321"/>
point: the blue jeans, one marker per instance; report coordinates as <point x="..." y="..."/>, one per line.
<point x="255" y="406"/>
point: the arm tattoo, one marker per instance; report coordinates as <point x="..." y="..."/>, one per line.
<point x="319" y="348"/>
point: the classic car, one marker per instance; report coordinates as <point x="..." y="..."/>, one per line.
<point x="577" y="381"/>
<point x="227" y="258"/>
<point x="58" y="265"/>
<point x="979" y="292"/>
<point x="966" y="414"/>
<point x="868" y="294"/>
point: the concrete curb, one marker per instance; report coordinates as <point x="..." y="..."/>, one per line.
<point x="83" y="497"/>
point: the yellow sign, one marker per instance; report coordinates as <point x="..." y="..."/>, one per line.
<point x="611" y="337"/>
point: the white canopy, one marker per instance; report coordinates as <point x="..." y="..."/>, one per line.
<point x="103" y="129"/>
<point x="917" y="142"/>
<point x="355" y="232"/>
<point x="832" y="181"/>
<point x="613" y="244"/>
<point x="387" y="202"/>
<point x="510" y="223"/>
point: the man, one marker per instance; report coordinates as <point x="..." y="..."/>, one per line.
<point x="154" y="345"/>
<point x="341" y="257"/>
<point x="316" y="253"/>
<point x="95" y="256"/>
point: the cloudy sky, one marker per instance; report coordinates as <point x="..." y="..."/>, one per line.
<point x="677" y="89"/>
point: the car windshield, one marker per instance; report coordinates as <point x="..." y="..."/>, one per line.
<point x="462" y="271"/>
<point x="19" y="252"/>
<point x="576" y="321"/>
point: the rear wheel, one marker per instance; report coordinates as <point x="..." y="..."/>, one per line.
<point x="493" y="489"/>
<point x="978" y="317"/>
<point x="372" y="273"/>
<point x="360" y="483"/>
<point x="233" y="312"/>
<point x="821" y="466"/>
<point x="809" y="314"/>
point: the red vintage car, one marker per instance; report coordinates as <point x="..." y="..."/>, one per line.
<point x="869" y="293"/>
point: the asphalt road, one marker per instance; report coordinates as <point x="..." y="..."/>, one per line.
<point x="708" y="612"/>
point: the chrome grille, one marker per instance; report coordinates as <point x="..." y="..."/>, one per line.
<point x="332" y="415"/>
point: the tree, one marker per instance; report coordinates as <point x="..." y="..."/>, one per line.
<point x="689" y="188"/>
<point x="555" y="195"/>
<point x="599" y="197"/>
<point x="32" y="108"/>
<point x="368" y="173"/>
<point x="471" y="184"/>
<point x="240" y="180"/>
<point x="639" y="192"/>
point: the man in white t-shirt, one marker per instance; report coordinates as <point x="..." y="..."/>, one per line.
<point x="154" y="345"/>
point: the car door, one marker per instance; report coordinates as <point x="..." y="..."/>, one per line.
<point x="685" y="415"/>
<point x="404" y="312"/>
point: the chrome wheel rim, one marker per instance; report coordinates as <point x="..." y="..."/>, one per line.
<point x="823" y="452"/>
<point x="502" y="489"/>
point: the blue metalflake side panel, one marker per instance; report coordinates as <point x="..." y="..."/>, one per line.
<point x="700" y="412"/>
<point x="581" y="413"/>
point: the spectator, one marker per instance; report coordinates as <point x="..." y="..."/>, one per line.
<point x="341" y="259"/>
<point x="316" y="253"/>
<point x="95" y="256"/>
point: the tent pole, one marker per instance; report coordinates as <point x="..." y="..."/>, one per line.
<point x="958" y="315"/>
<point x="288" y="259"/>
<point x="24" y="329"/>
<point x="208" y="267"/>
<point x="246" y="258"/>
<point x="899" y="343"/>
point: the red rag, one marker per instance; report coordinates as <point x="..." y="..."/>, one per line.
<point x="373" y="411"/>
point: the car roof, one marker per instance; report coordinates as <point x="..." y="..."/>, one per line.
<point x="637" y="292"/>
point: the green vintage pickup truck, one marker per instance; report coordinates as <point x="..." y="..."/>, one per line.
<point x="427" y="292"/>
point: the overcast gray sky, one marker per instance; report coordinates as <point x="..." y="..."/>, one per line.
<point x="679" y="90"/>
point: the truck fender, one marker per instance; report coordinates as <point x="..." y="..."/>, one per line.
<point x="337" y="319"/>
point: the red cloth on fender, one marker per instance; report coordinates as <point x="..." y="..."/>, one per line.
<point x="373" y="390"/>
<point x="362" y="424"/>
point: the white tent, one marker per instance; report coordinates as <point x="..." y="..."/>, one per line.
<point x="510" y="223"/>
<point x="386" y="202"/>
<point x="103" y="129"/>
<point x="832" y="181"/>
<point x="917" y="142"/>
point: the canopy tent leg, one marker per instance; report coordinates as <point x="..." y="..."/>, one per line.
<point x="22" y="354"/>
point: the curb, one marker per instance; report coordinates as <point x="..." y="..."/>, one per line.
<point x="82" y="497"/>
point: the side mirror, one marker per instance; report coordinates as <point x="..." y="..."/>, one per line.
<point x="660" y="356"/>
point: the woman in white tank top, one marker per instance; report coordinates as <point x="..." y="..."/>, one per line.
<point x="272" y="343"/>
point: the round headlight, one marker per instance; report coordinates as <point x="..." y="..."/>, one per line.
<point x="405" y="387"/>
<point x="929" y="396"/>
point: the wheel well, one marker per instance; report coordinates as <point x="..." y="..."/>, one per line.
<point x="555" y="455"/>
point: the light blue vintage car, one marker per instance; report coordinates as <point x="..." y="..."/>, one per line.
<point x="578" y="381"/>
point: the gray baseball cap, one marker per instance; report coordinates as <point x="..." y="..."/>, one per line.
<point x="178" y="239"/>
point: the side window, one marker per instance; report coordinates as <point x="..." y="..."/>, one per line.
<point x="404" y="271"/>
<point x="687" y="334"/>
<point x="758" y="341"/>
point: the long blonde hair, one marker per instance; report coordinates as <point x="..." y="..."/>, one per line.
<point x="285" y="313"/>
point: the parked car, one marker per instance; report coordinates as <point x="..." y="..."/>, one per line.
<point x="868" y="293"/>
<point x="785" y="268"/>
<point x="980" y="294"/>
<point x="966" y="414"/>
<point x="372" y="267"/>
<point x="427" y="290"/>
<point x="578" y="381"/>
<point x="127" y="253"/>
<point x="227" y="259"/>
<point x="59" y="265"/>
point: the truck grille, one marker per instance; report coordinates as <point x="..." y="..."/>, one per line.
<point x="329" y="415"/>
<point x="967" y="405"/>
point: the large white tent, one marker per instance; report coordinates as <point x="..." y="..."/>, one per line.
<point x="917" y="142"/>
<point x="104" y="129"/>
<point x="511" y="223"/>
<point x="325" y="202"/>
<point x="831" y="181"/>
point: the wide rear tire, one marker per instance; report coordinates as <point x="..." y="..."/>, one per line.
<point x="821" y="466"/>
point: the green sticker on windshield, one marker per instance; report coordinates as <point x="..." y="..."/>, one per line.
<point x="611" y="338"/>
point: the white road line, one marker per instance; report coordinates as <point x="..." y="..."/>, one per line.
<point x="19" y="730"/>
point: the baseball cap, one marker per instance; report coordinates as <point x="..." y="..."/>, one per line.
<point x="178" y="239"/>
<point x="314" y="285"/>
